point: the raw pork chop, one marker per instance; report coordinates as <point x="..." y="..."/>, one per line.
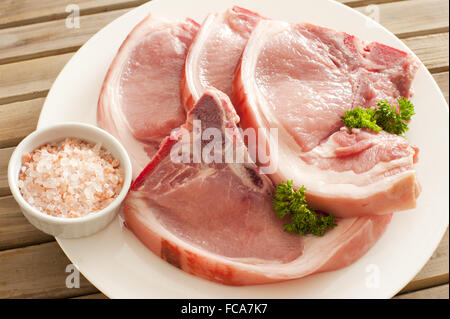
<point x="216" y="220"/>
<point x="140" y="100"/>
<point x="215" y="52"/>
<point x="301" y="78"/>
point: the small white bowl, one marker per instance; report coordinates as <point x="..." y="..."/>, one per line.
<point x="60" y="226"/>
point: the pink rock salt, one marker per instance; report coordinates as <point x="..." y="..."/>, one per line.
<point x="70" y="178"/>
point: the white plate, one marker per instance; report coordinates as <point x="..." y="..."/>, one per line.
<point x="121" y="267"/>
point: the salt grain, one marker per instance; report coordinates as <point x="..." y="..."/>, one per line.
<point x="72" y="178"/>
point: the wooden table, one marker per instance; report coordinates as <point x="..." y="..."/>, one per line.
<point x="35" y="45"/>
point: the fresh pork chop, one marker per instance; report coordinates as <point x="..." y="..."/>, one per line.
<point x="215" y="219"/>
<point x="215" y="52"/>
<point x="140" y="100"/>
<point x="300" y="79"/>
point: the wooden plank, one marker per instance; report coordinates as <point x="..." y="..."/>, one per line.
<point x="29" y="79"/>
<point x="435" y="272"/>
<point x="5" y="154"/>
<point x="442" y="81"/>
<point x="361" y="3"/>
<point x="15" y="230"/>
<point x="38" y="272"/>
<point x="22" y="12"/>
<point x="17" y="120"/>
<point x="432" y="50"/>
<point x="439" y="292"/>
<point x="92" y="296"/>
<point x="50" y="38"/>
<point x="32" y="268"/>
<point x="413" y="17"/>
<point x="32" y="79"/>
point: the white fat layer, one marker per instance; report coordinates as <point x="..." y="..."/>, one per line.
<point x="193" y="81"/>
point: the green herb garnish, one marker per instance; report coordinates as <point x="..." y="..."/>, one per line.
<point x="391" y="121"/>
<point x="304" y="220"/>
<point x="385" y="117"/>
<point x="360" y="118"/>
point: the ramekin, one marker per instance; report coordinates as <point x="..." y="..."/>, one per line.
<point x="60" y="226"/>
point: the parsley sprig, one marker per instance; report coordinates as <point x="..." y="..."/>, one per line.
<point x="385" y="117"/>
<point x="304" y="220"/>
<point x="361" y="118"/>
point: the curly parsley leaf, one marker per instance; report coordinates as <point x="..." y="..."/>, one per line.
<point x="385" y="117"/>
<point x="360" y="118"/>
<point x="392" y="121"/>
<point x="304" y="220"/>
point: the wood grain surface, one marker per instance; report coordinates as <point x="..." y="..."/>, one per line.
<point x="34" y="47"/>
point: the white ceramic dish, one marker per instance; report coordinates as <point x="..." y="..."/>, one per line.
<point x="69" y="227"/>
<point x="121" y="267"/>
